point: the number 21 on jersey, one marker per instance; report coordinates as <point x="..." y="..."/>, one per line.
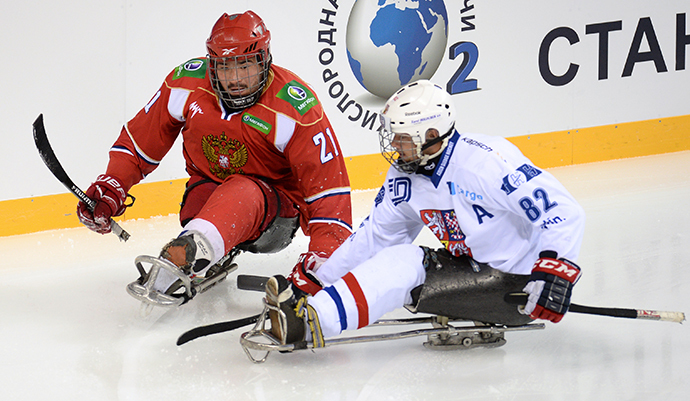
<point x="321" y="141"/>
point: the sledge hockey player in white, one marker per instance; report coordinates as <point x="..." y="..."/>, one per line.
<point x="506" y="225"/>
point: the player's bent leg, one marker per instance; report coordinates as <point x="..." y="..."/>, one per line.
<point x="459" y="287"/>
<point x="251" y="215"/>
<point x="279" y="225"/>
<point x="242" y="213"/>
<point x="372" y="289"/>
<point x="236" y="208"/>
<point x="197" y="191"/>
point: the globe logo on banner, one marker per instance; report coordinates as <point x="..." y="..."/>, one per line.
<point x="391" y="43"/>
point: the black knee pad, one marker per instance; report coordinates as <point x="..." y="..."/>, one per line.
<point x="459" y="287"/>
<point x="276" y="237"/>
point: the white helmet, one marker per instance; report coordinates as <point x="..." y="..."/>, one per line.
<point x="413" y="110"/>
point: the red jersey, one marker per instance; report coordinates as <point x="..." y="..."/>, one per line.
<point x="284" y="139"/>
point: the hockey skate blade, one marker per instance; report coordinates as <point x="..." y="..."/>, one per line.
<point x="465" y="340"/>
<point x="466" y="343"/>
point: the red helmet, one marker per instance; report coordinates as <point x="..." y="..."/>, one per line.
<point x="239" y="40"/>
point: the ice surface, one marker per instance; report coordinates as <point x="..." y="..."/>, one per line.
<point x="69" y="331"/>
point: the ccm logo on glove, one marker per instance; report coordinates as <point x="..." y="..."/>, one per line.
<point x="560" y="266"/>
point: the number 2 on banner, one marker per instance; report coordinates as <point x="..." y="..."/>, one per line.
<point x="458" y="82"/>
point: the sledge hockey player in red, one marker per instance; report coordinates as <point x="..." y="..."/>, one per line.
<point x="506" y="226"/>
<point x="262" y="156"/>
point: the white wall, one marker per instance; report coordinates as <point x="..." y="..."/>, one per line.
<point x="90" y="66"/>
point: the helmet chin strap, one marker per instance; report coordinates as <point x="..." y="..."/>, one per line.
<point x="428" y="144"/>
<point x="438" y="139"/>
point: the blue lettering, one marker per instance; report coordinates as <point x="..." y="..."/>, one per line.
<point x="481" y="213"/>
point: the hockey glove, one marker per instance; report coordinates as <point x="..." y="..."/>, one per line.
<point x="550" y="287"/>
<point x="110" y="198"/>
<point x="303" y="277"/>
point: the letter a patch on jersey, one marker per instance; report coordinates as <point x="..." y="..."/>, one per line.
<point x="446" y="228"/>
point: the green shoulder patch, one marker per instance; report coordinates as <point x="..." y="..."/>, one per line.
<point x="299" y="96"/>
<point x="195" y="68"/>
<point x="257" y="123"/>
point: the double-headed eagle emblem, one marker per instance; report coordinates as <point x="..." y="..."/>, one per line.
<point x="225" y="155"/>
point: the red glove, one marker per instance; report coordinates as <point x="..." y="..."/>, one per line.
<point x="303" y="277"/>
<point x="550" y="287"/>
<point x="110" y="197"/>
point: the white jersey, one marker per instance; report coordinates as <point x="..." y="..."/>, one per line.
<point x="484" y="199"/>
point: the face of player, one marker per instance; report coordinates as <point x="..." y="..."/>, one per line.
<point x="407" y="148"/>
<point x="239" y="76"/>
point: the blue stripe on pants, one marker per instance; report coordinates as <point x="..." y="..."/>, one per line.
<point x="339" y="304"/>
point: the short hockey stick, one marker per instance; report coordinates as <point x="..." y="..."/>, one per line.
<point x="676" y="317"/>
<point x="49" y="158"/>
<point x="216" y="328"/>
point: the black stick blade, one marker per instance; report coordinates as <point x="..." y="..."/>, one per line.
<point x="216" y="328"/>
<point x="51" y="161"/>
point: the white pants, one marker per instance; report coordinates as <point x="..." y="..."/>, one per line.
<point x="370" y="290"/>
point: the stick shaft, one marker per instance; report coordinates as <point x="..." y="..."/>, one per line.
<point x="677" y="317"/>
<point x="53" y="164"/>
